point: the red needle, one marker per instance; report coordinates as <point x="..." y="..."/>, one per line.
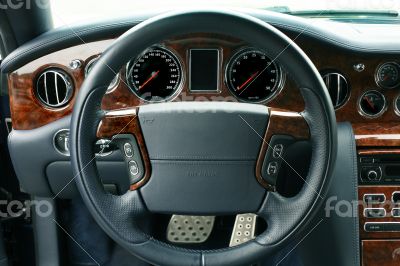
<point x="247" y="81"/>
<point x="155" y="74"/>
<point x="369" y="102"/>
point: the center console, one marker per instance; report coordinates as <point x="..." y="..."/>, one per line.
<point x="379" y="206"/>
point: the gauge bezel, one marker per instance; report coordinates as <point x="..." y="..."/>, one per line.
<point x="178" y="87"/>
<point x="114" y="83"/>
<point x="278" y="86"/>
<point x="396" y="110"/>
<point x="90" y="63"/>
<point x="377" y="79"/>
<point x="363" y="113"/>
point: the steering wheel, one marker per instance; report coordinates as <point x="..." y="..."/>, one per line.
<point x="215" y="178"/>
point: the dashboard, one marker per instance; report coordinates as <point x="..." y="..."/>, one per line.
<point x="363" y="81"/>
<point x="364" y="87"/>
<point x="202" y="67"/>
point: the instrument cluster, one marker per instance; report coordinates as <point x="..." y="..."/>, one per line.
<point x="157" y="74"/>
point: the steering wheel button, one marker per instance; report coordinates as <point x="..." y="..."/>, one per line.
<point x="128" y="150"/>
<point x="274" y="157"/>
<point x="133" y="168"/>
<point x="272" y="168"/>
<point x="277" y="151"/>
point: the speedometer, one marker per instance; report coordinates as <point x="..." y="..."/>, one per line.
<point x="156" y="75"/>
<point x="253" y="77"/>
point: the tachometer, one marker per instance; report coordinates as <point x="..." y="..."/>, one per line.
<point x="252" y="76"/>
<point x="155" y="75"/>
<point x="372" y="104"/>
<point x="387" y="76"/>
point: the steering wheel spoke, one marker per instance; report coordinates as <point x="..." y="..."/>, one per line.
<point x="284" y="128"/>
<point x="122" y="127"/>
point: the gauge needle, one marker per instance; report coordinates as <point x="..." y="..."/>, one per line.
<point x="153" y="75"/>
<point x="370" y="103"/>
<point x="247" y="81"/>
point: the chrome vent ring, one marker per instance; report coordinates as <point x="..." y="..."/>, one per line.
<point x="338" y="88"/>
<point x="54" y="88"/>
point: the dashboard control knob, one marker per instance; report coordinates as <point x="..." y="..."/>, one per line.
<point x="75" y="64"/>
<point x="372" y="175"/>
<point x="61" y="141"/>
<point x="359" y="67"/>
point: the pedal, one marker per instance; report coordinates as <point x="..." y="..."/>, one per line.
<point x="184" y="229"/>
<point x="243" y="229"/>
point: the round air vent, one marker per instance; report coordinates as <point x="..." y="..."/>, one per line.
<point x="54" y="88"/>
<point x="338" y="88"/>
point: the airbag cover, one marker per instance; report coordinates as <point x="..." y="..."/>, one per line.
<point x="203" y="156"/>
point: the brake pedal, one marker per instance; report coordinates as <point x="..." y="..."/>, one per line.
<point x="243" y="229"/>
<point x="184" y="229"/>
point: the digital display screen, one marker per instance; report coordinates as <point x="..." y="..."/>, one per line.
<point x="204" y="69"/>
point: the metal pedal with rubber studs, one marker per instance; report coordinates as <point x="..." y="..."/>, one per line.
<point x="189" y="229"/>
<point x="243" y="229"/>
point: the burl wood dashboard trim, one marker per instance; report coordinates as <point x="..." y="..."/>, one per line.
<point x="377" y="134"/>
<point x="380" y="252"/>
<point x="384" y="131"/>
<point x="26" y="110"/>
<point x="28" y="113"/>
<point x="367" y="151"/>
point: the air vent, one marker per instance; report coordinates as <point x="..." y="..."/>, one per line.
<point x="338" y="88"/>
<point x="54" y="88"/>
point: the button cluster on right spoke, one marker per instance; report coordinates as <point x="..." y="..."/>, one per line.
<point x="274" y="157"/>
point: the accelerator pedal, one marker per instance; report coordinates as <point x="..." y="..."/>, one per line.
<point x="243" y="229"/>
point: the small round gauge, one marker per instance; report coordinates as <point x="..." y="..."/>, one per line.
<point x="253" y="77"/>
<point x="89" y="67"/>
<point x="388" y="75"/>
<point x="156" y="75"/>
<point x="372" y="104"/>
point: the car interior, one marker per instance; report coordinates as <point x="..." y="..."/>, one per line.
<point x="199" y="133"/>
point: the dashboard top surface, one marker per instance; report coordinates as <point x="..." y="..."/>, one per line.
<point x="359" y="37"/>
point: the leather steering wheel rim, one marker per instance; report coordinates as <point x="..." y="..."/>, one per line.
<point x="285" y="217"/>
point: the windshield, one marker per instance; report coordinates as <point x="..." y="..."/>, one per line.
<point x="72" y="11"/>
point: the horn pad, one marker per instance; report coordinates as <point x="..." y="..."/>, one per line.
<point x="203" y="157"/>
